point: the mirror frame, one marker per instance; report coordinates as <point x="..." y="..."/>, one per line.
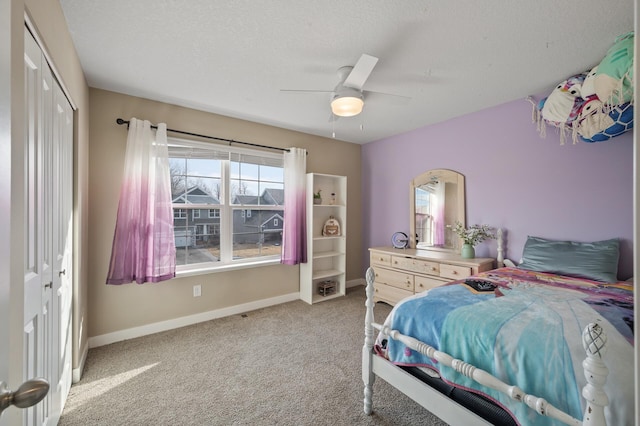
<point x="447" y="176"/>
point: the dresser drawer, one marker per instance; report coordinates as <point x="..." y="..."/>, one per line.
<point x="425" y="283"/>
<point x="380" y="259"/>
<point x="389" y="294"/>
<point x="415" y="265"/>
<point x="454" y="272"/>
<point x="394" y="278"/>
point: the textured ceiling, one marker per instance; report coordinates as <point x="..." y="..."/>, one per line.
<point x="234" y="57"/>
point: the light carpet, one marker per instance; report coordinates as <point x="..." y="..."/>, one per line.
<point x="291" y="364"/>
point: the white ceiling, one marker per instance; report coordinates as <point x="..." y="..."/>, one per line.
<point x="233" y="57"/>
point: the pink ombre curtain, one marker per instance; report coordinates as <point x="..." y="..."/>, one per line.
<point x="143" y="244"/>
<point x="294" y="237"/>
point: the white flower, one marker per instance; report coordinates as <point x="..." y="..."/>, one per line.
<point x="475" y="234"/>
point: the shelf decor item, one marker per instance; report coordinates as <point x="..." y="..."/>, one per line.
<point x="317" y="197"/>
<point x="472" y="236"/>
<point x="327" y="287"/>
<point x="331" y="227"/>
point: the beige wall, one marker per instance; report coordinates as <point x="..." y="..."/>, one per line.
<point x="116" y="308"/>
<point x="51" y="28"/>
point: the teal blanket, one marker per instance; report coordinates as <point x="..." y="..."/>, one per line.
<point x="527" y="332"/>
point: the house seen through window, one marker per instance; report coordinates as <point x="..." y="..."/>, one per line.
<point x="228" y="204"/>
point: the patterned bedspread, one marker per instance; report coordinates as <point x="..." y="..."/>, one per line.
<point x="527" y="331"/>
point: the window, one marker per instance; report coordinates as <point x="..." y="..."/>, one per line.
<point x="239" y="191"/>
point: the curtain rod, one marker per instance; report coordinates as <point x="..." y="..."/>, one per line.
<point x="120" y="121"/>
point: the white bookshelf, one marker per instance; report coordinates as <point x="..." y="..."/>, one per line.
<point x="326" y="255"/>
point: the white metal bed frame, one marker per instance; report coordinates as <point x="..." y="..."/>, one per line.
<point x="373" y="366"/>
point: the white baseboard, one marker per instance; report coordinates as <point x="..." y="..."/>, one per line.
<point x="132" y="333"/>
<point x="356" y="282"/>
<point x="76" y="373"/>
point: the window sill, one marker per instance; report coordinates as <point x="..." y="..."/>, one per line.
<point x="193" y="270"/>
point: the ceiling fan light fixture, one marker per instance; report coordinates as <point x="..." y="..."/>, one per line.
<point x="347" y="106"/>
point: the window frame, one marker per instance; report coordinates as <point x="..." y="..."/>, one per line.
<point x="225" y="209"/>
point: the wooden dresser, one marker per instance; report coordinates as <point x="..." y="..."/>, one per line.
<point x="404" y="272"/>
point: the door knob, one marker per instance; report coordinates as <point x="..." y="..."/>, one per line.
<point x="29" y="393"/>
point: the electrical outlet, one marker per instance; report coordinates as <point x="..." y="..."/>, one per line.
<point x="197" y="290"/>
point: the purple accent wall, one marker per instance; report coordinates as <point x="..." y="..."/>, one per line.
<point x="514" y="179"/>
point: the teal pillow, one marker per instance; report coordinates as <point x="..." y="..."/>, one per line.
<point x="596" y="261"/>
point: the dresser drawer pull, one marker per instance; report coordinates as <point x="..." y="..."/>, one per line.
<point x="454" y="272"/>
<point x="433" y="268"/>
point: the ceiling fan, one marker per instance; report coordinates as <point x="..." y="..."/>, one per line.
<point x="348" y="95"/>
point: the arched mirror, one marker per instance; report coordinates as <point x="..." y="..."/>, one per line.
<point x="437" y="202"/>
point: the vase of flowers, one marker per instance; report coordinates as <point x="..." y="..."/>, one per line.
<point x="317" y="197"/>
<point x="472" y="236"/>
<point x="468" y="251"/>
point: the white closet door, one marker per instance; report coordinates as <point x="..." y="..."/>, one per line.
<point x="48" y="241"/>
<point x="62" y="168"/>
<point x="37" y="292"/>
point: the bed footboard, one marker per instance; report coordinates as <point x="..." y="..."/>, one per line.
<point x="595" y="371"/>
<point x="367" y="350"/>
<point x="594" y="343"/>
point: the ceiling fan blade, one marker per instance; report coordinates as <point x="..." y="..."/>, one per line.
<point x="305" y="91"/>
<point x="388" y="98"/>
<point x="361" y="71"/>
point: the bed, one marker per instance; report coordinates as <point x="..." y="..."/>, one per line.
<point x="511" y="346"/>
